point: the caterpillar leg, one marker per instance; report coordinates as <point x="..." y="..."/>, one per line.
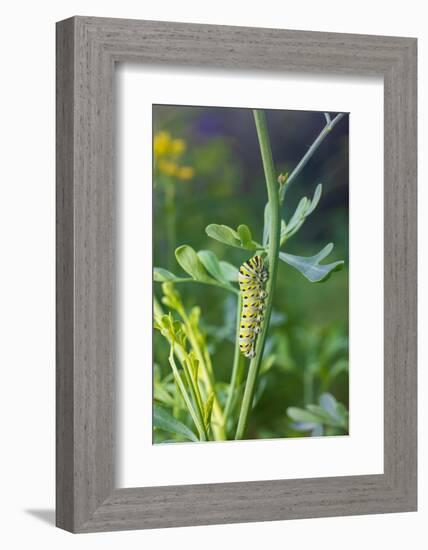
<point x="250" y="353"/>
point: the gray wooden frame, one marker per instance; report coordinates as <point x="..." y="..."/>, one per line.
<point x="87" y="50"/>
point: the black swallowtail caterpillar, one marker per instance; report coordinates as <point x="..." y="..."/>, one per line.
<point x="252" y="278"/>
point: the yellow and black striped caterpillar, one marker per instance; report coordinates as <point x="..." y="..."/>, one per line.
<point x="252" y="278"/>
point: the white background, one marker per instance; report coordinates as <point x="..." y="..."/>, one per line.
<point x="27" y="286"/>
<point x="362" y="451"/>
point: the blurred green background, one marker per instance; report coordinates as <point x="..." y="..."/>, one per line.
<point x="215" y="175"/>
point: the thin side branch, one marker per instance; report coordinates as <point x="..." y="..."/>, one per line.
<point x="309" y="153"/>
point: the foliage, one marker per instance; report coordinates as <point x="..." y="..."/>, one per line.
<point x="327" y="418"/>
<point x="310" y="266"/>
<point x="193" y="374"/>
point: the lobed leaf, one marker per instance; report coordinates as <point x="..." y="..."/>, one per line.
<point x="310" y="266"/>
<point x="304" y="208"/>
<point x="298" y="213"/>
<point x="315" y="200"/>
<point x="329" y="412"/>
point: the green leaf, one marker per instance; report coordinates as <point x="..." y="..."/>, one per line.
<point x="302" y="415"/>
<point x="194" y="366"/>
<point x="304" y="208"/>
<point x="208" y="408"/>
<point x="212" y="265"/>
<point x="229" y="271"/>
<point x="197" y="265"/>
<point x="162" y="395"/>
<point x="190" y="262"/>
<point x="310" y="267"/>
<point x="329" y="412"/>
<point x="335" y="409"/>
<point x="298" y="213"/>
<point x="292" y="231"/>
<point x="229" y="236"/>
<point x="246" y="237"/>
<point x="315" y="200"/>
<point x="162" y="420"/>
<point x="328" y="402"/>
<point x="325" y="416"/>
<point x="224" y="234"/>
<point x="161" y="275"/>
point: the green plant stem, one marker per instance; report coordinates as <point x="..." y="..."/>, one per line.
<point x="195" y="384"/>
<point x="330" y="124"/>
<point x="237" y="369"/>
<point x="274" y="238"/>
<point x="196" y="396"/>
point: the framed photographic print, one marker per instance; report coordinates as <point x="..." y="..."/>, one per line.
<point x="236" y="274"/>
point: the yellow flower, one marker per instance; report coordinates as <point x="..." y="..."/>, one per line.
<point x="177" y="146"/>
<point x="185" y="172"/>
<point x="167" y="152"/>
<point x="168" y="167"/>
<point x="161" y="143"/>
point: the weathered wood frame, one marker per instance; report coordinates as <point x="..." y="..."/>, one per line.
<point x="87" y="50"/>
